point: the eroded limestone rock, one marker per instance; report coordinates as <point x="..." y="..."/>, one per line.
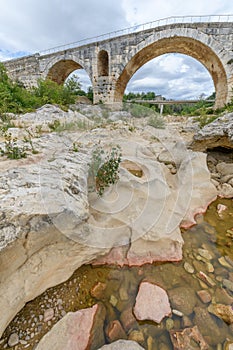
<point x="50" y="225"/>
<point x="216" y="134"/>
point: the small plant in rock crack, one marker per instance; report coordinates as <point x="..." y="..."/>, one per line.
<point x="11" y="148"/>
<point x="28" y="139"/>
<point x="76" y="146"/>
<point x="104" y="167"/>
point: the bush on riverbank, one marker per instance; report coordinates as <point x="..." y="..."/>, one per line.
<point x="15" y="98"/>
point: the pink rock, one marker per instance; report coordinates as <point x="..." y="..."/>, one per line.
<point x="151" y="303"/>
<point x="115" y="331"/>
<point x="78" y="330"/>
<point x="221" y="208"/>
<point x="146" y="251"/>
<point x="116" y="256"/>
<point x="48" y="314"/>
<point x="142" y="252"/>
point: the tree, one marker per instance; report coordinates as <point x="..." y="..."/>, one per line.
<point x="74" y="86"/>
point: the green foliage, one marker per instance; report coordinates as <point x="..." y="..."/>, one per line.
<point x="90" y="93"/>
<point x="76" y="146"/>
<point x="74" y="86"/>
<point x="11" y="148"/>
<point x="205" y="119"/>
<point x="15" y="98"/>
<point x="104" y="167"/>
<point x="28" y="139"/>
<point x="156" y="121"/>
<point x="139" y="95"/>
<point x="5" y="124"/>
<point x="50" y="92"/>
<point x="57" y="126"/>
<point x="139" y="111"/>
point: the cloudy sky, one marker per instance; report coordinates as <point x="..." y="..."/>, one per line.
<point x="28" y="26"/>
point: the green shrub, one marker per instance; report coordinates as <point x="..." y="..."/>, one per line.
<point x="205" y="119"/>
<point x="156" y="121"/>
<point x="139" y="111"/>
<point x="104" y="168"/>
<point x="11" y="148"/>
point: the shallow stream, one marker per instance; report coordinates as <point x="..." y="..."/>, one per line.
<point x="208" y="249"/>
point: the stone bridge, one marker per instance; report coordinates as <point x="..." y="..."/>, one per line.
<point x="111" y="61"/>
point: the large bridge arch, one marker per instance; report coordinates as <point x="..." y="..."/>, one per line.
<point x="60" y="68"/>
<point x="178" y="44"/>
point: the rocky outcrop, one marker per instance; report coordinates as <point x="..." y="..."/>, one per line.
<point x="216" y="139"/>
<point x="219" y="133"/>
<point x="50" y="225"/>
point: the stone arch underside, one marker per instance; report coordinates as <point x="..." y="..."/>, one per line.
<point x="103" y="63"/>
<point x="182" y="45"/>
<point x="60" y="71"/>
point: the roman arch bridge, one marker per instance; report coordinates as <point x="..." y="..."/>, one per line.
<point x="112" y="59"/>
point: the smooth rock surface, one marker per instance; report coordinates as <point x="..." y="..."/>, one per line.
<point x="78" y="330"/>
<point x="183" y="299"/>
<point x="151" y="303"/>
<point x="51" y="225"/>
<point x="207" y="324"/>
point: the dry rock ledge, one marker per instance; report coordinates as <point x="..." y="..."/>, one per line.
<point x="50" y="225"/>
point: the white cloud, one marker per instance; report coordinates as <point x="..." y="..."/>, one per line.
<point x="173" y="76"/>
<point x="150" y="10"/>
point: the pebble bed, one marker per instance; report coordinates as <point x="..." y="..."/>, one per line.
<point x="204" y="276"/>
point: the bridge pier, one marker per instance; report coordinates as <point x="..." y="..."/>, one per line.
<point x="103" y="91"/>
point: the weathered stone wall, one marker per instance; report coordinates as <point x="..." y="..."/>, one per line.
<point x="209" y="43"/>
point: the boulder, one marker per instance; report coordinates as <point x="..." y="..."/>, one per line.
<point x="78" y="330"/>
<point x="151" y="303"/>
<point x="219" y="133"/>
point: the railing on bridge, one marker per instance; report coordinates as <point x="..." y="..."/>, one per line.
<point x="171" y="102"/>
<point x="161" y="103"/>
<point x="140" y="27"/>
<point x="135" y="29"/>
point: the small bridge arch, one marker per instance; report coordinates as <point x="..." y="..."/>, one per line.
<point x="59" y="68"/>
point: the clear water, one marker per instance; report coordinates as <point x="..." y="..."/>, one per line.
<point x="212" y="233"/>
